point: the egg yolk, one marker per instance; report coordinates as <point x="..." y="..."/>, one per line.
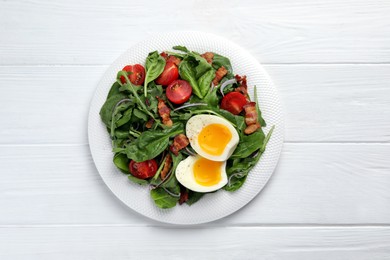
<point x="214" y="138"/>
<point x="206" y="172"/>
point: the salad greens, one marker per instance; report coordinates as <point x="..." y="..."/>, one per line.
<point x="129" y="109"/>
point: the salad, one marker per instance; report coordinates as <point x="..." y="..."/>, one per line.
<point x="184" y="125"/>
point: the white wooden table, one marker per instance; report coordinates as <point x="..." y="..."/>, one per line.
<point x="329" y="197"/>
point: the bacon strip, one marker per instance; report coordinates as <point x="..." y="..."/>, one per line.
<point x="164" y="112"/>
<point x="179" y="142"/>
<point x="175" y="60"/>
<point x="209" y="56"/>
<point x="149" y="124"/>
<point x="164" y="55"/>
<point x="219" y="74"/>
<point x="167" y="166"/>
<point x="183" y="195"/>
<point x="251" y="117"/>
<point x="242" y="86"/>
<point x="170" y="58"/>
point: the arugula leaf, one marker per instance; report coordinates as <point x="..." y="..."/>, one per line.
<point x="140" y="115"/>
<point x="121" y="134"/>
<point x="125" y="117"/>
<point x="154" y="67"/>
<point x="162" y="199"/>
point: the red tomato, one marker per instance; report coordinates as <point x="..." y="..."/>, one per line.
<point x="143" y="170"/>
<point x="169" y="74"/>
<point x="179" y="91"/>
<point x="233" y="102"/>
<point x="136" y="74"/>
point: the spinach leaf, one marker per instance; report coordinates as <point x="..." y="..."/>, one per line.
<point x="235" y="183"/>
<point x="238" y="169"/>
<point x="193" y="197"/>
<point x="151" y="143"/>
<point x="187" y="72"/>
<point x="114" y="90"/>
<point x="136" y="180"/>
<point x="154" y="67"/>
<point x="198" y="72"/>
<point x="204" y="81"/>
<point x="219" y="61"/>
<point x="249" y="144"/>
<point x="211" y="99"/>
<point x="122" y="162"/>
<point x="108" y="108"/>
<point x="162" y="199"/>
<point x="180" y="48"/>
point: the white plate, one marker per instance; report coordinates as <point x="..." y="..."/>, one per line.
<point x="212" y="206"/>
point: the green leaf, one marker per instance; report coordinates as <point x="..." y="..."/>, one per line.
<point x="108" y="108"/>
<point x="140" y="115"/>
<point x="219" y="61"/>
<point x="114" y="90"/>
<point x="136" y="180"/>
<point x="194" y="197"/>
<point x="154" y="67"/>
<point x="162" y="199"/>
<point x="187" y="72"/>
<point x="180" y="48"/>
<point x="204" y="81"/>
<point x="121" y="134"/>
<point x="249" y="144"/>
<point x="125" y="117"/>
<point x="122" y="162"/>
<point x="198" y="72"/>
<point x="151" y="143"/>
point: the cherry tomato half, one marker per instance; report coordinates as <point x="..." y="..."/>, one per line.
<point x="169" y="74"/>
<point x="233" y="102"/>
<point x="143" y="170"/>
<point x="136" y="74"/>
<point x="179" y="91"/>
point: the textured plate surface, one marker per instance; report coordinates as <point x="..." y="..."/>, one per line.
<point x="212" y="206"/>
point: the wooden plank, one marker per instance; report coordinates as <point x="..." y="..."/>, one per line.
<point x="322" y="103"/>
<point x="330" y="31"/>
<point x="124" y="242"/>
<point x="314" y="183"/>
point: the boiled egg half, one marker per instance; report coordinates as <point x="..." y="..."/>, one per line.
<point x="212" y="137"/>
<point x="201" y="175"/>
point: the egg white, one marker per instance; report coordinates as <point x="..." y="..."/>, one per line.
<point x="195" y="125"/>
<point x="185" y="175"/>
